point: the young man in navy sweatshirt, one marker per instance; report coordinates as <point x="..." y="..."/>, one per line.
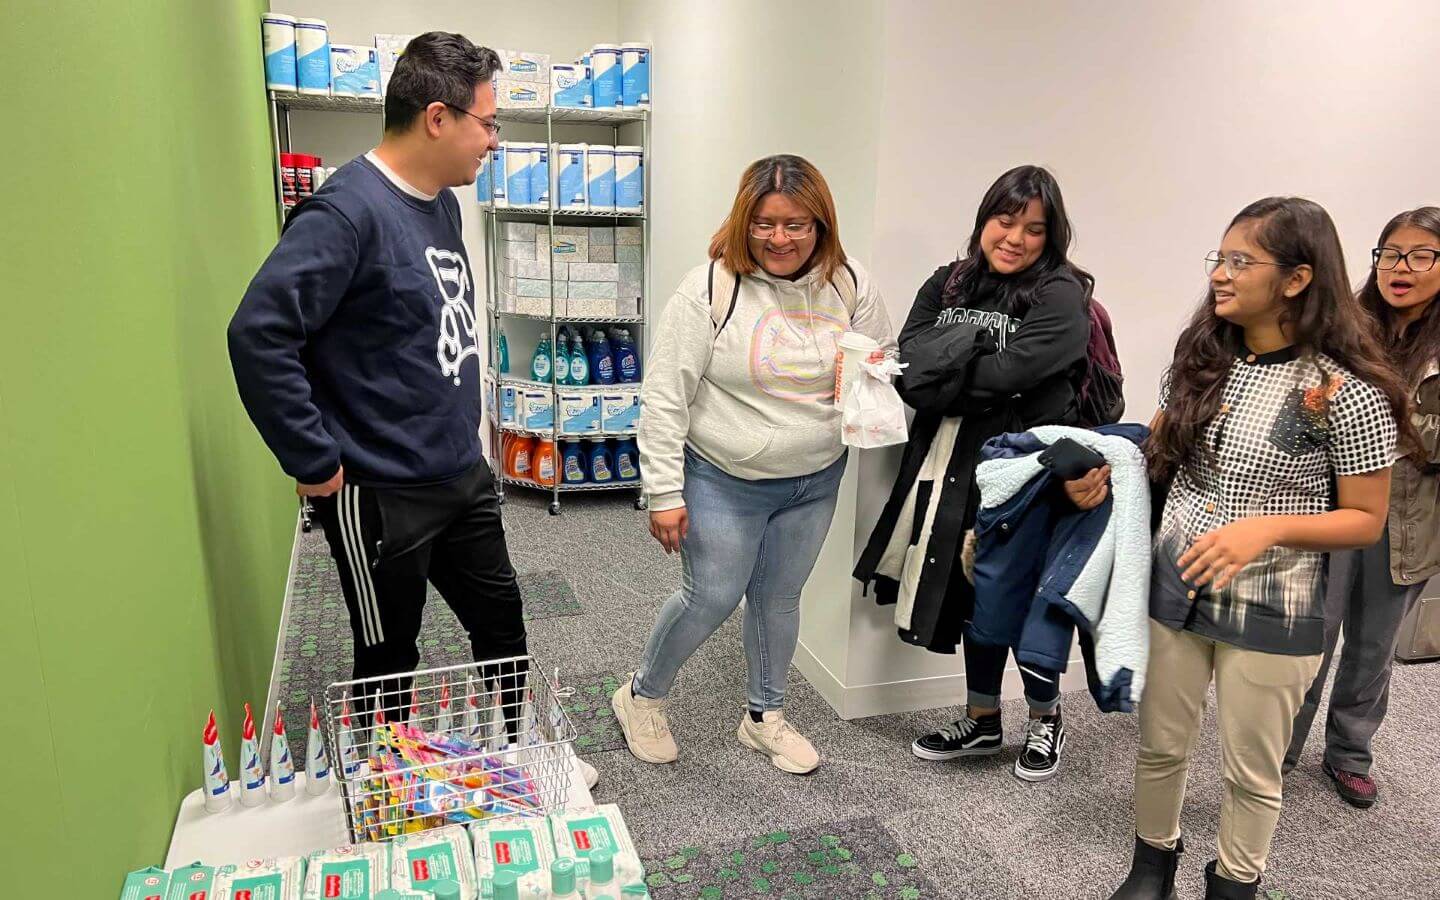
<point x="355" y="354"/>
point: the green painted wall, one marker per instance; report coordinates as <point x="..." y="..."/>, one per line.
<point x="145" y="532"/>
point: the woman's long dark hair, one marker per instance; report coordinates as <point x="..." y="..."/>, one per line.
<point x="1007" y="197"/>
<point x="1418" y="346"/>
<point x="1324" y="318"/>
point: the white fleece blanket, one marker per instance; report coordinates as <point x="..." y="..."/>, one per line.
<point x="1112" y="591"/>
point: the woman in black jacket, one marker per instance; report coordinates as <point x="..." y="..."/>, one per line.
<point x="995" y="342"/>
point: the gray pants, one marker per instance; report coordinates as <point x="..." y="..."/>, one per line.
<point x="1363" y="600"/>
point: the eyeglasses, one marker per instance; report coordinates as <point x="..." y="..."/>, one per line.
<point x="490" y="126"/>
<point x="764" y="231"/>
<point x="1234" y="262"/>
<point x="1420" y="259"/>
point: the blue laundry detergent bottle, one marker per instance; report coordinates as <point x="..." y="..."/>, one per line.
<point x="602" y="361"/>
<point x="627" y="460"/>
<point x="541" y="363"/>
<point x="627" y="358"/>
<point x="573" y="464"/>
<point x="602" y="464"/>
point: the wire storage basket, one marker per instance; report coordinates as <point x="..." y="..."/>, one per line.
<point x="421" y="750"/>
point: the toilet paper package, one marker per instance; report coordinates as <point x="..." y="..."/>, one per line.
<point x="600" y="176"/>
<point x="635" y="75"/>
<point x="417" y="861"/>
<point x="620" y="410"/>
<point x="507" y="405"/>
<point x="277" y="34"/>
<point x="352" y="872"/>
<point x="606" y="72"/>
<point x="570" y="86"/>
<point x="520" y="65"/>
<point x="519" y="845"/>
<point x="629" y="179"/>
<point x="511" y="94"/>
<point x="579" y="412"/>
<point x="517" y="173"/>
<point x="354" y="71"/>
<point x="484" y="190"/>
<point x="388" y="48"/>
<point x="312" y="56"/>
<point x="536" y="409"/>
<point x="568" y="161"/>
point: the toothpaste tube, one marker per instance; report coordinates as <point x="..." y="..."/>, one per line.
<point x="217" y="780"/>
<point x="443" y="719"/>
<point x="278" y="878"/>
<point x="579" y="831"/>
<point x="252" y="771"/>
<point x="417" y="861"/>
<point x="317" y="758"/>
<point x="282" y="765"/>
<point x="354" y="872"/>
<point x="518" y="845"/>
<point x="145" y="884"/>
<point x="191" y="883"/>
<point x="349" y="756"/>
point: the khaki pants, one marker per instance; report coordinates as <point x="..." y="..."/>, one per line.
<point x="1257" y="695"/>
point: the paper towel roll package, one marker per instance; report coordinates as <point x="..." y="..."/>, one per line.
<point x="605" y="70"/>
<point x="517" y="173"/>
<point x="600" y="175"/>
<point x="569" y="164"/>
<point x="312" y="56"/>
<point x="629" y="179"/>
<point x="635" y="75"/>
<point x="499" y="189"/>
<point x="540" y="174"/>
<point x="277" y="33"/>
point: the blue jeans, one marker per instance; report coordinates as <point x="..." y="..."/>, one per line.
<point x="752" y="539"/>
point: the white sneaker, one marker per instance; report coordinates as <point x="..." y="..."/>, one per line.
<point x="776" y="738"/>
<point x="647" y="733"/>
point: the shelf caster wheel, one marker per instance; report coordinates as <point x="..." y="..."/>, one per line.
<point x="641" y="505"/>
<point x="501" y="499"/>
<point x="554" y="508"/>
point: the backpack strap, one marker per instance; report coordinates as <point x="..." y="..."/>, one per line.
<point x="723" y="287"/>
<point x="848" y="289"/>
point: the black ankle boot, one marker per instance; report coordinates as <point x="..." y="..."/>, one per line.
<point x="1152" y="873"/>
<point x="1218" y="887"/>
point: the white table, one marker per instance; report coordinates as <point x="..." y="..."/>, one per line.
<point x="296" y="827"/>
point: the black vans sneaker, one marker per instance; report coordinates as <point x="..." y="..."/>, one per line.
<point x="966" y="737"/>
<point x="1044" y="741"/>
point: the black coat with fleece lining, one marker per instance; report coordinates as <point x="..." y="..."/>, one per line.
<point x="998" y="371"/>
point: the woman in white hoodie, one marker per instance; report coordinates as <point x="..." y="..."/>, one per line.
<point x="740" y="445"/>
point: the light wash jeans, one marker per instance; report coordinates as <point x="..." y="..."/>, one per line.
<point x="752" y="539"/>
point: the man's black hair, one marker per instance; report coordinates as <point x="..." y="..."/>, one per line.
<point x="436" y="66"/>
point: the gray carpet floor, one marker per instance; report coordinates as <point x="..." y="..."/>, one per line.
<point x="874" y="821"/>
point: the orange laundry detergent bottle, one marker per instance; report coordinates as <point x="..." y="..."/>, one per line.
<point x="519" y="457"/>
<point x="543" y="463"/>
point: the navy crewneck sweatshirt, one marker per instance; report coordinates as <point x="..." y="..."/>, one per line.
<point x="355" y="342"/>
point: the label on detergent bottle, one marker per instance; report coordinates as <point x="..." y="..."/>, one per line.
<point x="601" y="470"/>
<point x="625" y="466"/>
<point x="547" y="469"/>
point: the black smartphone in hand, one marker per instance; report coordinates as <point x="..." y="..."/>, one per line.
<point x="1069" y="459"/>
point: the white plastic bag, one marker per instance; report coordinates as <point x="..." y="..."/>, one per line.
<point x="874" y="414"/>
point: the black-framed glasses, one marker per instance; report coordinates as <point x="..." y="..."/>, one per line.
<point x="1234" y="262"/>
<point x="1421" y="259"/>
<point x="795" y="231"/>
<point x="490" y="126"/>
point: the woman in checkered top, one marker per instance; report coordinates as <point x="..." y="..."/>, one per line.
<point x="1276" y="432"/>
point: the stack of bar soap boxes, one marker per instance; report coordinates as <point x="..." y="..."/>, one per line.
<point x="597" y="270"/>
